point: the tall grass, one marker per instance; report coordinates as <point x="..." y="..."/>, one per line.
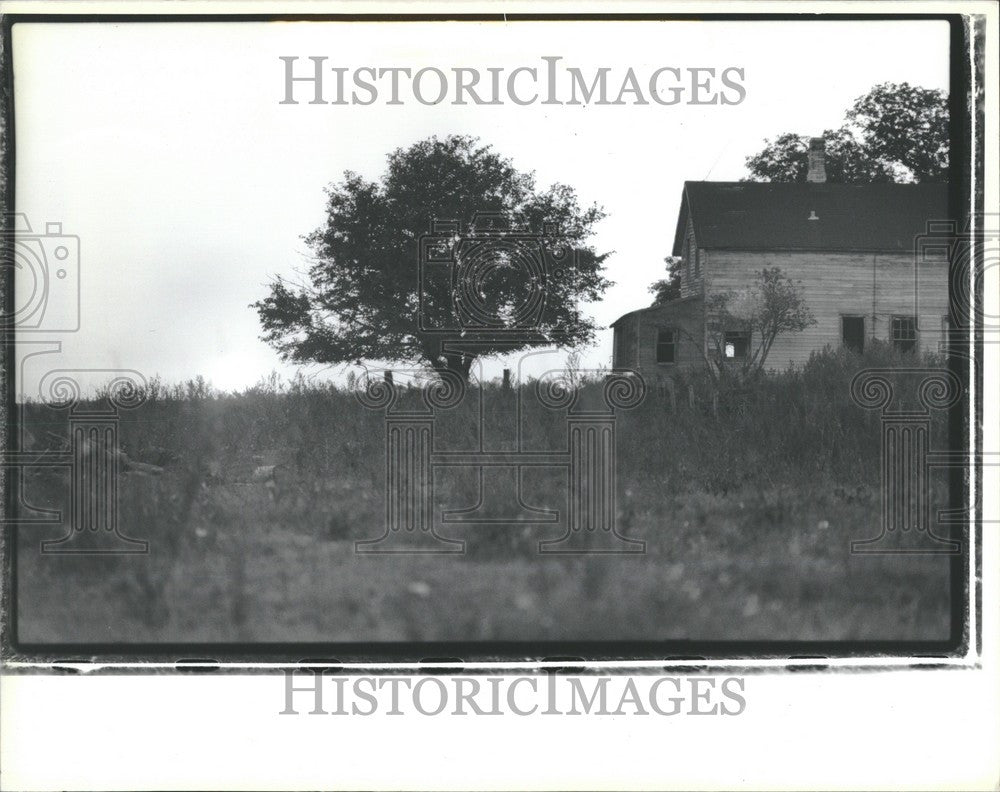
<point x="765" y="457"/>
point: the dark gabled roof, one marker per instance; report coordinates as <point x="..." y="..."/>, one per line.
<point x="658" y="307"/>
<point x="772" y="216"/>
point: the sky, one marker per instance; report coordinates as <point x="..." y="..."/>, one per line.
<point x="165" y="149"/>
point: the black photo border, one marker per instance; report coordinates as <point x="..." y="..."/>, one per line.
<point x="965" y="637"/>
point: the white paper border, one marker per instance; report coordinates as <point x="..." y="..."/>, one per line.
<point x="890" y="729"/>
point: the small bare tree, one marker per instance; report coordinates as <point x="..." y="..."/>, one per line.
<point x="770" y="306"/>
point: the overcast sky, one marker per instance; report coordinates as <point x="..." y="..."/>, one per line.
<point x="165" y="149"/>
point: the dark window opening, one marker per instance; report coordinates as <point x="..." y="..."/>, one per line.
<point x="904" y="333"/>
<point x="666" y="346"/>
<point x="853" y="333"/>
<point x="625" y="337"/>
<point x="736" y="345"/>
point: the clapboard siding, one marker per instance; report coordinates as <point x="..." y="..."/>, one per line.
<point x="873" y="285"/>
<point x="636" y="336"/>
<point x="821" y="235"/>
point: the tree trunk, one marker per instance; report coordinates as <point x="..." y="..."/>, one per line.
<point x="455" y="363"/>
<point x="460" y="363"/>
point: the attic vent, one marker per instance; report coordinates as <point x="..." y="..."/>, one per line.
<point x="812" y="215"/>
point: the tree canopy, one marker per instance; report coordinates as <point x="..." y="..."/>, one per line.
<point x="668" y="288"/>
<point x="895" y="133"/>
<point x="369" y="293"/>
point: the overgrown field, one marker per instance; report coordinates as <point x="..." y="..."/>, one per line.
<point x="747" y="505"/>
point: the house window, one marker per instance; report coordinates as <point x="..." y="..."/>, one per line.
<point x="904" y="333"/>
<point x="736" y="345"/>
<point x="697" y="262"/>
<point x="666" y="345"/>
<point x="625" y="337"/>
<point x="852" y="332"/>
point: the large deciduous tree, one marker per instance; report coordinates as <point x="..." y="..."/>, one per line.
<point x="895" y="132"/>
<point x="362" y="298"/>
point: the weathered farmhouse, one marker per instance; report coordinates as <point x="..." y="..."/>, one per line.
<point x="851" y="248"/>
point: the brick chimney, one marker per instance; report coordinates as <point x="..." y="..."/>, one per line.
<point x="817" y="161"/>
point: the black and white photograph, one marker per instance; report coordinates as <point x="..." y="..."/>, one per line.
<point x="349" y="339"/>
